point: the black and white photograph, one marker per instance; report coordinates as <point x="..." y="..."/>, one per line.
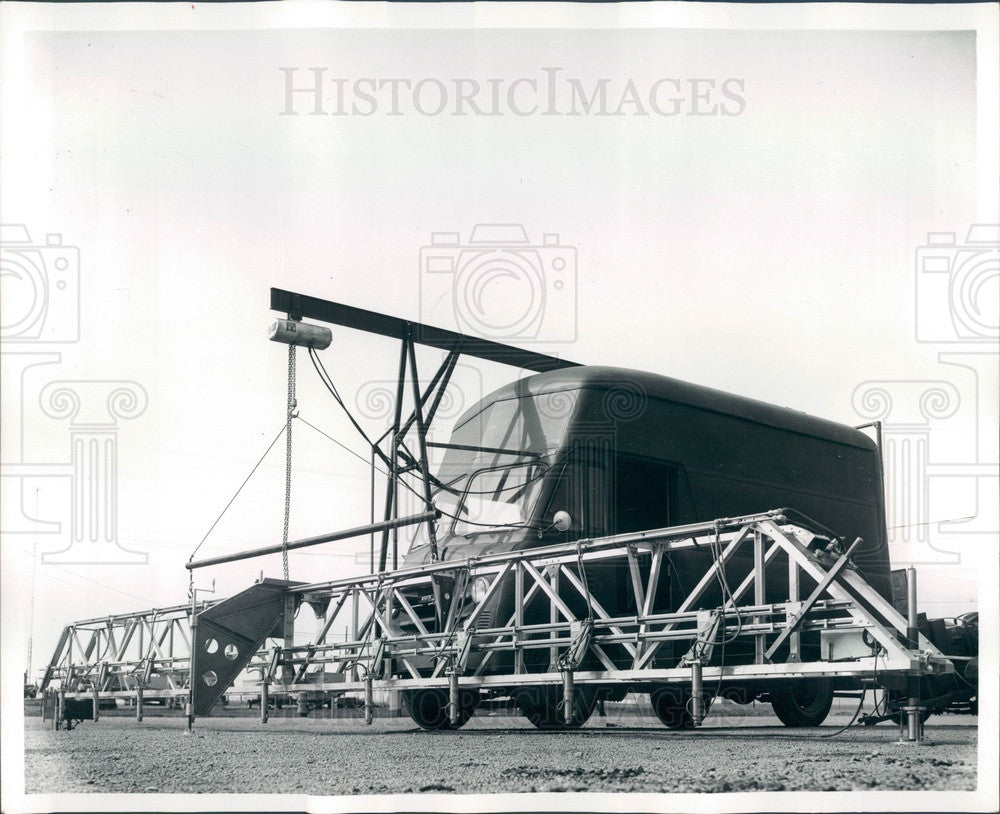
<point x="499" y="406"/>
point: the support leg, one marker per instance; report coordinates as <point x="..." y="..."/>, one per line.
<point x="453" y="697"/>
<point x="911" y="724"/>
<point x="697" y="699"/>
<point x="369" y="702"/>
<point x="568" y="692"/>
<point x="912" y="629"/>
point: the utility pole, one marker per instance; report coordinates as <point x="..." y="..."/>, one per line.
<point x="31" y="611"/>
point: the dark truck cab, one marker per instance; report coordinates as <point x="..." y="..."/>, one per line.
<point x="622" y="451"/>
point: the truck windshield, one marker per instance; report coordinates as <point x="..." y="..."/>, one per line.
<point x="494" y="464"/>
<point x="496" y="497"/>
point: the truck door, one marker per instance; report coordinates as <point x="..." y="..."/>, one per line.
<point x="645" y="495"/>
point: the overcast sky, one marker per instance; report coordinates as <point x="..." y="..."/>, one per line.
<point x="751" y="224"/>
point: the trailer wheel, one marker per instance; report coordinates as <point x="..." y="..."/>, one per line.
<point x="543" y="706"/>
<point x="802" y="702"/>
<point x="672" y="706"/>
<point x="429" y="708"/>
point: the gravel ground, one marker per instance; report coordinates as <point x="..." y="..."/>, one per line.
<point x="619" y="753"/>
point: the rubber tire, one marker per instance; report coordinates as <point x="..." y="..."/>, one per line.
<point x="803" y="702"/>
<point x="672" y="706"/>
<point x="429" y="708"/>
<point x="542" y="706"/>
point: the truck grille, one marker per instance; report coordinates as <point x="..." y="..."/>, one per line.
<point x="423" y="606"/>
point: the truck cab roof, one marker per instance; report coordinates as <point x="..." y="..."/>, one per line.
<point x="639" y="385"/>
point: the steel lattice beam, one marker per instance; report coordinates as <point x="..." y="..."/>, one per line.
<point x="387" y="625"/>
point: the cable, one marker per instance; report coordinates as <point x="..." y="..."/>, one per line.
<point x="331" y="387"/>
<point x="885" y="694"/>
<point x="849" y="724"/>
<point x="369" y="464"/>
<point x="88" y="579"/>
<point x="366" y="462"/>
<point x="369" y="634"/>
<point x="484" y="525"/>
<point x="357" y="455"/>
<point x="230" y="503"/>
<point x="875" y="700"/>
<point x="715" y="545"/>
<point x="933" y="522"/>
<point x="518" y="487"/>
<point x="446" y="485"/>
<point x="325" y="378"/>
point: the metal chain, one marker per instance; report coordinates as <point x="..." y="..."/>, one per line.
<point x="288" y="458"/>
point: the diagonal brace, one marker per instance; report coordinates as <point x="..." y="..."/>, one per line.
<point x="796" y="620"/>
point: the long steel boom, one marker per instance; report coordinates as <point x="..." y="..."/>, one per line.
<point x="335" y="313"/>
<point x="359" y="531"/>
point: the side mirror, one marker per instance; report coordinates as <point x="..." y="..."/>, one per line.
<point x="562" y="521"/>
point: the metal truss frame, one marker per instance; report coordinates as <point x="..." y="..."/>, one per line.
<point x="399" y="459"/>
<point x="381" y="650"/>
<point x="119" y="654"/>
<point x="390" y="645"/>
